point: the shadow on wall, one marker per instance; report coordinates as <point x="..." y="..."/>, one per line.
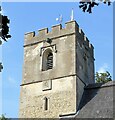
<point x="89" y="93"/>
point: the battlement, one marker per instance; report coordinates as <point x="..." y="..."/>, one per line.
<point x="30" y="34"/>
<point x="43" y="31"/>
<point x="81" y="32"/>
<point x="84" y="40"/>
<point x="57" y="27"/>
<point x="71" y="27"/>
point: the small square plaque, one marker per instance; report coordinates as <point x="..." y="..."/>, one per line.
<point x="47" y="85"/>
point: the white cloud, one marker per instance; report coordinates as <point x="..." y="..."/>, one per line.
<point x="103" y="68"/>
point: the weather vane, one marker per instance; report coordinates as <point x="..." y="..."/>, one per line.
<point x="60" y="19"/>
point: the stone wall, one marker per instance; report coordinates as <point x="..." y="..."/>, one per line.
<point x="63" y="48"/>
<point x="61" y="99"/>
<point x="84" y="58"/>
<point x="79" y="90"/>
<point x="62" y="85"/>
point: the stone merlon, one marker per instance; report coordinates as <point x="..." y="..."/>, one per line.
<point x="71" y="27"/>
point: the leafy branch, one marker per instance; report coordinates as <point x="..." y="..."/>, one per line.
<point x="87" y="6"/>
<point x="103" y="77"/>
<point x="4" y="28"/>
<point x="3" y="117"/>
<point x="4" y="31"/>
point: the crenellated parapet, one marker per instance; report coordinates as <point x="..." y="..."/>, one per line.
<point x="84" y="41"/>
<point x="29" y="35"/>
<point x="57" y="31"/>
<point x="56" y="28"/>
<point x="43" y="31"/>
<point x="81" y="32"/>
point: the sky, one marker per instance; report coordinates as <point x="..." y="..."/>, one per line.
<point x="32" y="16"/>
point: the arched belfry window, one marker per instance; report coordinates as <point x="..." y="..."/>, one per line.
<point x="50" y="61"/>
<point x="47" y="60"/>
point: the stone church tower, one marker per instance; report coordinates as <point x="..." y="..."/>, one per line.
<point x="57" y="66"/>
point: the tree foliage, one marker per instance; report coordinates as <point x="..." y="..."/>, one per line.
<point x="1" y="67"/>
<point x="87" y="5"/>
<point x="3" y="117"/>
<point x="103" y="77"/>
<point x="4" y="28"/>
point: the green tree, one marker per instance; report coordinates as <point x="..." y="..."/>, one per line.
<point x="3" y="117"/>
<point x="4" y="27"/>
<point x="4" y="31"/>
<point x="87" y="5"/>
<point x="103" y="77"/>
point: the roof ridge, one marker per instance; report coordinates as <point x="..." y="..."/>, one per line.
<point x="100" y="85"/>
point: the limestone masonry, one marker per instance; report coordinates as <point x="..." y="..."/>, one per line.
<point x="57" y="66"/>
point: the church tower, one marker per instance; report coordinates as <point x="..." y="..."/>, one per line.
<point x="57" y="66"/>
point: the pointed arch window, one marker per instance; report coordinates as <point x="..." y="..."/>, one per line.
<point x="47" y="60"/>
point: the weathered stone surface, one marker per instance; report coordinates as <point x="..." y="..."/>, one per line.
<point x="73" y="68"/>
<point x="61" y="98"/>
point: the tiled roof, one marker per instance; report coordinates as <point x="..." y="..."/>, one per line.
<point x="97" y="101"/>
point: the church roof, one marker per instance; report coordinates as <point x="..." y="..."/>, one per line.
<point x="97" y="101"/>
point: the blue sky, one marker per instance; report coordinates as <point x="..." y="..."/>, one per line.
<point x="31" y="16"/>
